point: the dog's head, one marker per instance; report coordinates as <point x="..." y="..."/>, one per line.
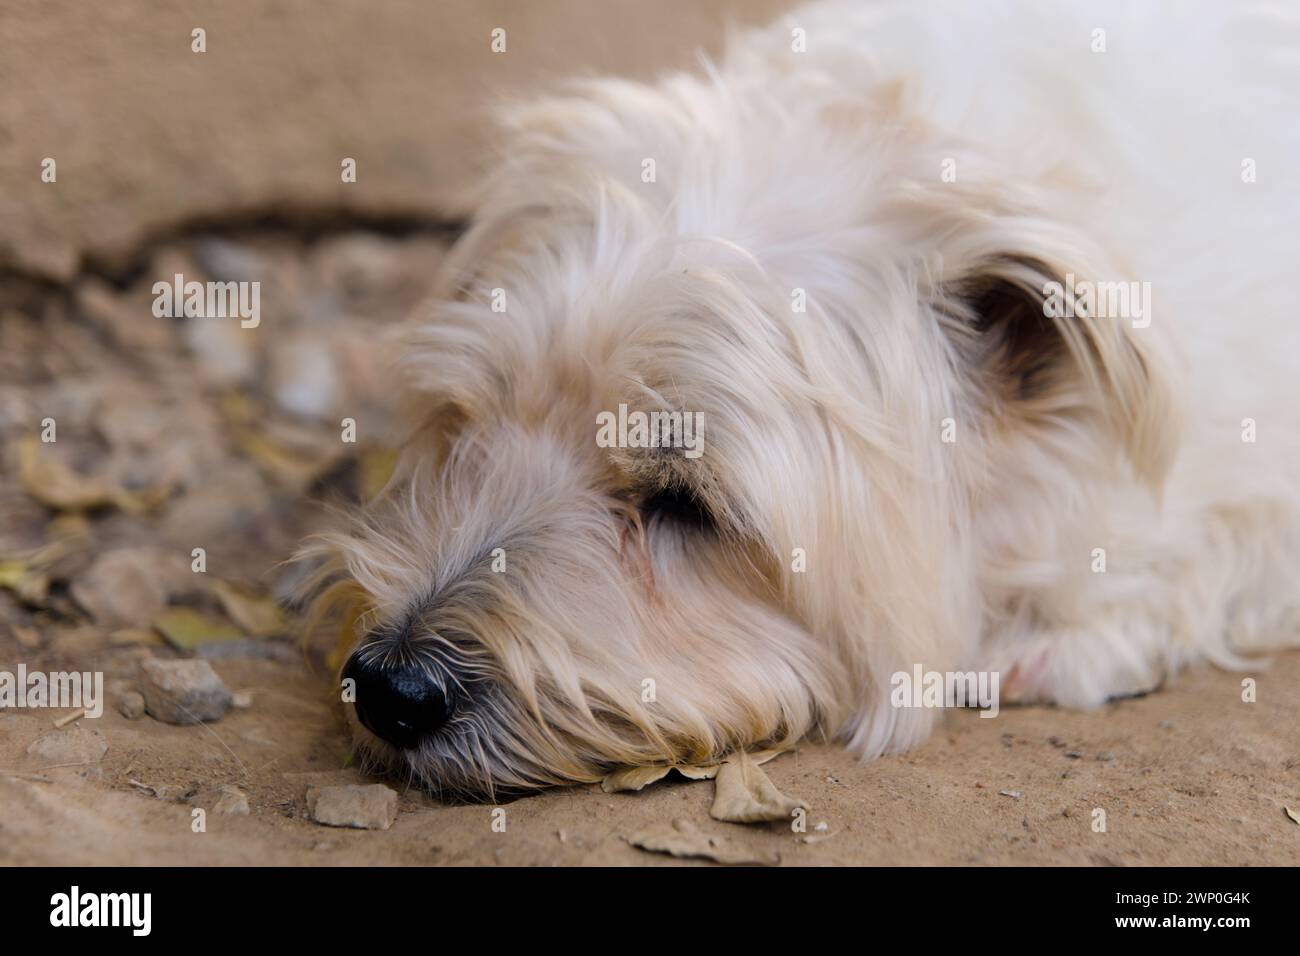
<point x="869" y="416"/>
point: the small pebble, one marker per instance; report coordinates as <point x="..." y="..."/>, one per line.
<point x="183" y="692"/>
<point x="242" y="700"/>
<point x="232" y="802"/>
<point x="1013" y="794"/>
<point x="372" y="807"/>
<point x="1105" y="756"/>
<point x="131" y="706"/>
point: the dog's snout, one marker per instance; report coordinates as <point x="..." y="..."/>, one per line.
<point x="402" y="703"/>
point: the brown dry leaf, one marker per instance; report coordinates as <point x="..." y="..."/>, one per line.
<point x="745" y="794"/>
<point x="681" y="838"/>
<point x="258" y="616"/>
<point x="238" y="407"/>
<point x="1292" y="814"/>
<point x="297" y="467"/>
<point x="633" y="778"/>
<point x="638" y="778"/>
<point x="186" y="628"/>
<point x="28" y="637"/>
<point x="52" y="483"/>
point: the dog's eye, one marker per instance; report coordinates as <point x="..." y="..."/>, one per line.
<point x="679" y="504"/>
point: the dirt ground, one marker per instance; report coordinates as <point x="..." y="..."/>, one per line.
<point x="176" y="434"/>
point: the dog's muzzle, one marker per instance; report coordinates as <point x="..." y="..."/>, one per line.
<point x="400" y="703"/>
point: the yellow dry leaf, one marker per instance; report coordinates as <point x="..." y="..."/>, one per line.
<point x="133" y="637"/>
<point x="346" y="601"/>
<point x="185" y="628"/>
<point x="376" y="467"/>
<point x="293" y="467"/>
<point x="258" y="616"/>
<point x="66" y="529"/>
<point x="30" y="585"/>
<point x="347" y="637"/>
<point x="239" y="408"/>
<point x="1292" y="814"/>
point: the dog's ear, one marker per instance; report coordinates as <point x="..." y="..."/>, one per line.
<point x="1030" y="336"/>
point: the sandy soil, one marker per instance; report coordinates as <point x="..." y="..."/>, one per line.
<point x="206" y="435"/>
<point x="1190" y="776"/>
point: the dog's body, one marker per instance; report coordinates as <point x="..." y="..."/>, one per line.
<point x="838" y="257"/>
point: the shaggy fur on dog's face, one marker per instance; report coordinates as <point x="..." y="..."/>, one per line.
<point x="655" y="608"/>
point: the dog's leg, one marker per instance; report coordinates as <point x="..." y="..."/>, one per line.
<point x="1220" y="585"/>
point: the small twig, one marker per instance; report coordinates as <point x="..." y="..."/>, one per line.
<point x="69" y="718"/>
<point x="153" y="791"/>
<point x="36" y="774"/>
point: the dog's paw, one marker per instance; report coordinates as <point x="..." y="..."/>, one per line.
<point x="1077" y="667"/>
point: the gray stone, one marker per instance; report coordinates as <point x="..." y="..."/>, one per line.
<point x="123" y="588"/>
<point x="183" y="692"/>
<point x="232" y="802"/>
<point x="372" y="807"/>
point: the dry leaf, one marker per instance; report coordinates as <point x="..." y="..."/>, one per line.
<point x="186" y="628"/>
<point x="637" y="778"/>
<point x="294" y="459"/>
<point x="681" y="838"/>
<point x="633" y="778"/>
<point x="744" y="794"/>
<point x="28" y="637"/>
<point x="351" y="603"/>
<point x="30" y="585"/>
<point x="52" y="483"/>
<point x="258" y="616"/>
<point x="1292" y="814"/>
<point x="133" y="637"/>
<point x="376" y="467"/>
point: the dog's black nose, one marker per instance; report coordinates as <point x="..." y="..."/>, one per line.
<point x="399" y="702"/>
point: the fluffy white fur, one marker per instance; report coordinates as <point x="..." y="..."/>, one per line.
<point x="822" y="170"/>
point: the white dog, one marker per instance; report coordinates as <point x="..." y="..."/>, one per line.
<point x="981" y="316"/>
